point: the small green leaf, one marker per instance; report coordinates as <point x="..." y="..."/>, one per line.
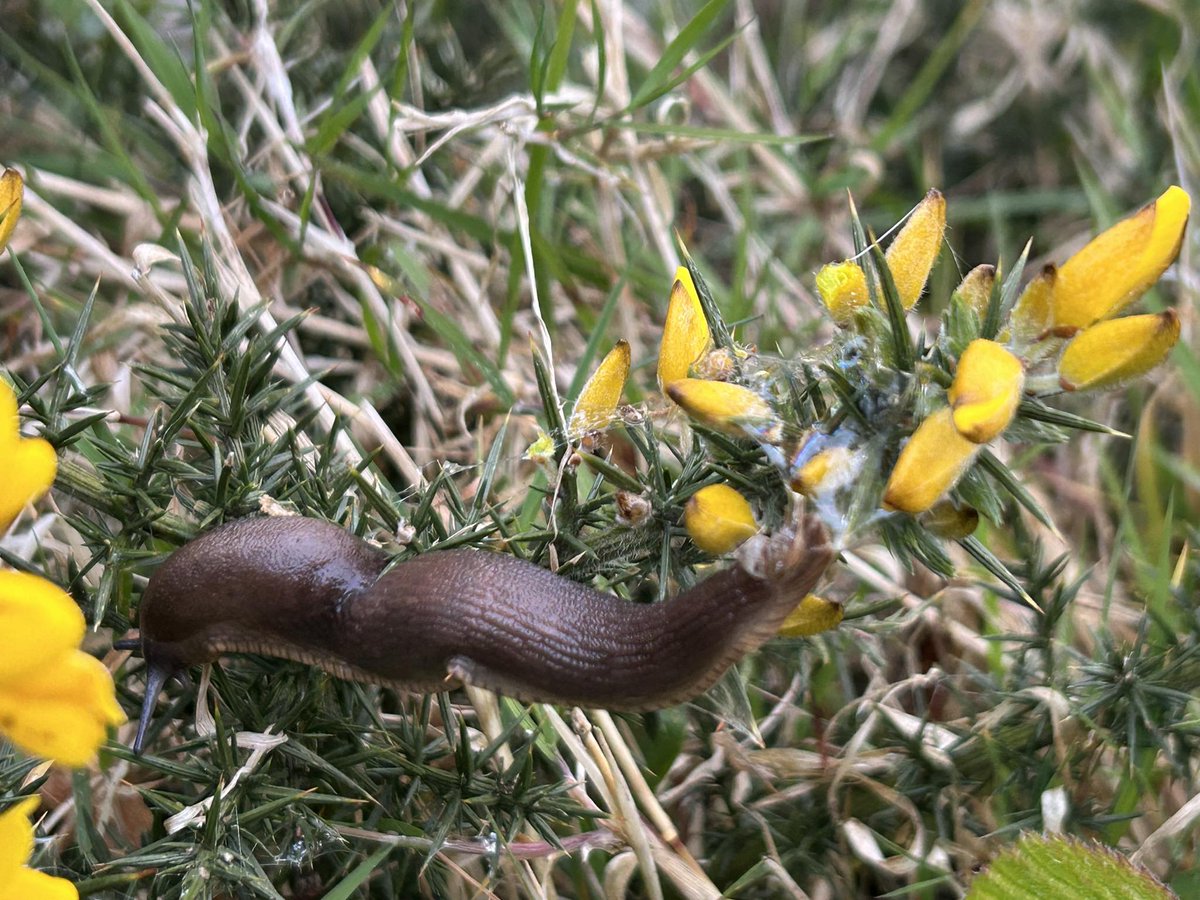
<point x="659" y="79"/>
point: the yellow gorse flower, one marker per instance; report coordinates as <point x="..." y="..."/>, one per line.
<point x="55" y="700"/>
<point x="1110" y="353"/>
<point x="986" y="390"/>
<point x="598" y="400"/>
<point x="1119" y="265"/>
<point x="812" y="615"/>
<point x="723" y="406"/>
<point x="932" y="461"/>
<point x="685" y="332"/>
<point x="843" y="290"/>
<point x="17" y="881"/>
<point x="718" y="519"/>
<point x="12" y="190"/>
<point x="911" y="255"/>
<point x="28" y="464"/>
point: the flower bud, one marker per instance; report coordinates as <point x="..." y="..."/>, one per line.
<point x="718" y="519"/>
<point x="843" y="289"/>
<point x="913" y="251"/>
<point x="812" y="615"/>
<point x="932" y="461"/>
<point x="598" y="400"/>
<point x="685" y="331"/>
<point x="976" y="288"/>
<point x="986" y="390"/>
<point x="724" y="406"/>
<point x="633" y="510"/>
<point x="950" y="520"/>
<point x="1111" y="353"/>
<point x="720" y="364"/>
<point x="1119" y="265"/>
<point x="12" y="189"/>
<point x="1033" y="314"/>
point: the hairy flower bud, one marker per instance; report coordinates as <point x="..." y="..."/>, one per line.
<point x="976" y="288"/>
<point x="1033" y="314"/>
<point x="598" y="400"/>
<point x="812" y="615"/>
<point x="911" y="254"/>
<point x="685" y="332"/>
<point x="12" y="190"/>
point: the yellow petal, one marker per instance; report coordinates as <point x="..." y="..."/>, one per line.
<point x="28" y="464"/>
<point x="12" y="189"/>
<point x="1033" y="314"/>
<point x="932" y="461"/>
<point x="685" y="332"/>
<point x="976" y="288"/>
<point x="913" y="251"/>
<point x="1119" y="265"/>
<point x="718" y="519"/>
<point x="986" y="390"/>
<point x="16" y="838"/>
<point x="598" y="400"/>
<point x="30" y="884"/>
<point x="812" y="615"/>
<point x="62" y="712"/>
<point x="1111" y="353"/>
<point x="843" y="288"/>
<point x="723" y="406"/>
<point x="39" y="624"/>
<point x="29" y="467"/>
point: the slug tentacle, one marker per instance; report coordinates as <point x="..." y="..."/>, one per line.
<point x="307" y="590"/>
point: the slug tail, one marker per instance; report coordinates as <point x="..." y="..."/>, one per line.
<point x="156" y="677"/>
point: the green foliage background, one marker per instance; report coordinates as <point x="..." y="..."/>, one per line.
<point x="374" y="183"/>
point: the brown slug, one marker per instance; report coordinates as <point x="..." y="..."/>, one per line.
<point x="307" y="590"/>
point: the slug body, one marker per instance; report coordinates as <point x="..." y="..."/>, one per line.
<point x="307" y="590"/>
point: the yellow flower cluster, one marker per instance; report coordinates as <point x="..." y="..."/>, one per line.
<point x="1062" y="321"/>
<point x="55" y="701"/>
<point x="1074" y="301"/>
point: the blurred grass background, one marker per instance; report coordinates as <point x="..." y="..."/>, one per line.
<point x="394" y="174"/>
